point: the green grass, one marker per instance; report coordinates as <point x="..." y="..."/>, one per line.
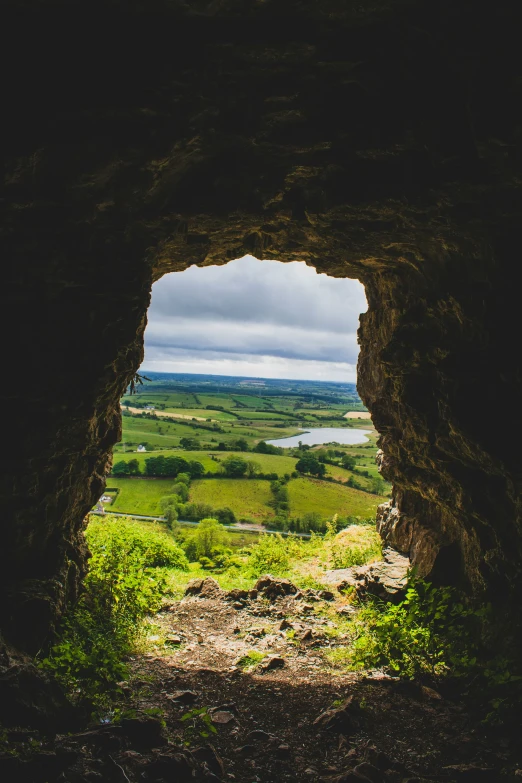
<point x="140" y="496"/>
<point x="165" y="433"/>
<point x="243" y="413"/>
<point x="202" y="413"/>
<point x="246" y="497"/>
<point x="161" y="398"/>
<point x="307" y="494"/>
<point x="269" y="463"/>
<point x="224" y="400"/>
<point x="251" y="400"/>
<point x="252" y="659"/>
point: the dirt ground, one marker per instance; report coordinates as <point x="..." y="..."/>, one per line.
<point x="240" y="687"/>
<point x="266" y="718"/>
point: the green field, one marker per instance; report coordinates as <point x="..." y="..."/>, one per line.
<point x="247" y="498"/>
<point x="139" y="496"/>
<point x="254" y="412"/>
<point x="164" y="433"/>
<point x="307" y="495"/>
<point x="200" y="412"/>
<point x="267" y="415"/>
<point x="268" y="463"/>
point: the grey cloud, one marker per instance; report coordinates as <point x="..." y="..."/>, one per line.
<point x="264" y="292"/>
<point x="235" y="337"/>
<point x="254" y="313"/>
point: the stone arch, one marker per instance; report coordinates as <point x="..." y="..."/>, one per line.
<point x="372" y="144"/>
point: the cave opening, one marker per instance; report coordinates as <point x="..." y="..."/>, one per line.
<point x="377" y="141"/>
<point x="284" y="337"/>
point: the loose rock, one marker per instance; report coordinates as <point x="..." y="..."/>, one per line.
<point x="274" y="662"/>
<point x="204" y="588"/>
<point x="338" y="719"/>
<point x="222" y="717"/>
<point x="183" y="697"/>
<point x="272" y="588"/>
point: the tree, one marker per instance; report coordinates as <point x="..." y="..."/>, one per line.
<point x="169" y="500"/>
<point x="190" y="444"/>
<point x="171" y="516"/>
<point x="253" y="467"/>
<point x="236" y="467"/>
<point x="240" y="444"/>
<point x="309" y="464"/>
<point x="155" y="466"/>
<point x="184" y="478"/>
<point x="210" y="536"/>
<point x="195" y="469"/>
<point x="174" y="465"/>
<point x="348" y="462"/>
<point x="377" y="486"/>
<point x="267" y="448"/>
<point x="181" y="490"/>
<point x="312" y="520"/>
<point x="196" y="511"/>
<point x="134" y="467"/>
<point x="121" y="468"/>
<point x="226" y="516"/>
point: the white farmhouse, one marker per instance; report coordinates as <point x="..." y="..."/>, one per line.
<point x="141" y="448"/>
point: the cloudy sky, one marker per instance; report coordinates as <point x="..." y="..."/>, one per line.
<point x="256" y="318"/>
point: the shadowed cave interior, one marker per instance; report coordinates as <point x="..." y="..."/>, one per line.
<point x="378" y="141"/>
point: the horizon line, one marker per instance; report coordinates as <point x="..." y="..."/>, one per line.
<point x="247" y="377"/>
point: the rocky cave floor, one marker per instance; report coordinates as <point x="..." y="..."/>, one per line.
<point x="197" y="712"/>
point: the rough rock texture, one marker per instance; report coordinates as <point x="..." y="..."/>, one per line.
<point x="386" y="578"/>
<point x="373" y="140"/>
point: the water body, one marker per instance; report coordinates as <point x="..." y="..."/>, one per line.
<point x="315" y="437"/>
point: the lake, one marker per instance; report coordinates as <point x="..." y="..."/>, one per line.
<point x="314" y="437"/>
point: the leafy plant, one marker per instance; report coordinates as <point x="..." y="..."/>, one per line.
<point x="434" y="632"/>
<point x="125" y="582"/>
<point x="269" y="554"/>
<point x="429" y="632"/>
<point x="197" y="724"/>
<point x="210" y="537"/>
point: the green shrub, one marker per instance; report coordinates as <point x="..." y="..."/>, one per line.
<point x="210" y="537"/>
<point x="110" y="537"/>
<point x="207" y="563"/>
<point x="430" y="632"/>
<point x="433" y="632"/>
<point x="125" y="582"/>
<point x="270" y="554"/>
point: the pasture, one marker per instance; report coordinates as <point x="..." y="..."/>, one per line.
<point x="139" y="496"/>
<point x="312" y="495"/>
<point x="247" y="498"/>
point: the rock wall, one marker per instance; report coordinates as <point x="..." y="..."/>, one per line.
<point x="372" y="141"/>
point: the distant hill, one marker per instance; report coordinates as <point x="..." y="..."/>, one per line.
<point x="268" y="386"/>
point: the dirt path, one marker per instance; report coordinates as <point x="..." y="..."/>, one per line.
<point x="254" y="667"/>
<point x="240" y="688"/>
